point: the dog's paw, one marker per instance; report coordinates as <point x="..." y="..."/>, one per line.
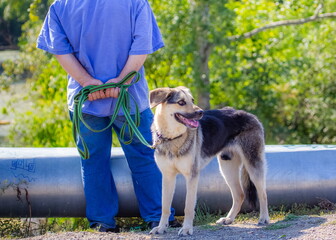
<point x="184" y="231"/>
<point x="158" y="230"/>
<point x="263" y="221"/>
<point x="225" y="221"/>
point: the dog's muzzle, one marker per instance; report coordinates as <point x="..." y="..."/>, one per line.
<point x="190" y="120"/>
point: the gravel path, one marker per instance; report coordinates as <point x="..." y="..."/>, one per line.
<point x="304" y="228"/>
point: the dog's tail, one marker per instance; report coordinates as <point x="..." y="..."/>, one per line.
<point x="249" y="189"/>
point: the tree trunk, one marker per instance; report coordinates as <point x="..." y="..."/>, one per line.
<point x="202" y="72"/>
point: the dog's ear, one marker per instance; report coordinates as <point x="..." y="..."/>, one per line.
<point x="158" y="96"/>
<point x="183" y="88"/>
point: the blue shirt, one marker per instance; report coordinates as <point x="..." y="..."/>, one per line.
<point x="102" y="34"/>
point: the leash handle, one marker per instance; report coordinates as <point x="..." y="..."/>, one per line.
<point x="123" y="103"/>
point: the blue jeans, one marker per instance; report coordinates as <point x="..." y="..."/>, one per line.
<point x="99" y="187"/>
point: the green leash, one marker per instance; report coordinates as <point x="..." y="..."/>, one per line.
<point x="122" y="102"/>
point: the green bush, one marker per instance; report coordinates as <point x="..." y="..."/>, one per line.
<point x="286" y="75"/>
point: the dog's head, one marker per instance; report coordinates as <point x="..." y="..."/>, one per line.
<point x="176" y="105"/>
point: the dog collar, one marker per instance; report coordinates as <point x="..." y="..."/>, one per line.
<point x="160" y="138"/>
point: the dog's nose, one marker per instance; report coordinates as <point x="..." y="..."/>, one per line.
<point x="199" y="113"/>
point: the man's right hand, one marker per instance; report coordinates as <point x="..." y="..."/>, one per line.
<point x="96" y="95"/>
<point x="113" y="92"/>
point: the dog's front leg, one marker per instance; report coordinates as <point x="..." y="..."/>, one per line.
<point x="190" y="203"/>
<point x="168" y="186"/>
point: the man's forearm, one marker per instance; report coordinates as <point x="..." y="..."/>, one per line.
<point x="73" y="67"/>
<point x="134" y="63"/>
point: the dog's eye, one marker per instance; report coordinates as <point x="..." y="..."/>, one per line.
<point x="181" y="103"/>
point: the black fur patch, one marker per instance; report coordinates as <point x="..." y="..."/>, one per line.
<point x="219" y="128"/>
<point x="174" y="97"/>
<point x="222" y="127"/>
<point x="251" y="194"/>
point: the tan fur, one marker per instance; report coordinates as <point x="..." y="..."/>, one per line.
<point x="164" y="117"/>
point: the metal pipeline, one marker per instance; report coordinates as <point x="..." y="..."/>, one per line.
<point x="46" y="182"/>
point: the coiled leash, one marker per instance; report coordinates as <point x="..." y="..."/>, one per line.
<point x="122" y="102"/>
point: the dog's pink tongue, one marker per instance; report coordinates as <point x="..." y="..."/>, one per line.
<point x="192" y="123"/>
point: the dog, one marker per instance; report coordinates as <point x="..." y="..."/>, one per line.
<point x="186" y="138"/>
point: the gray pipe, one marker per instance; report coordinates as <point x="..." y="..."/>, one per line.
<point x="46" y="182"/>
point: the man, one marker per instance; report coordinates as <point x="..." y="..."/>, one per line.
<point x="97" y="42"/>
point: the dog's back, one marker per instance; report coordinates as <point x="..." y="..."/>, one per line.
<point x="224" y="127"/>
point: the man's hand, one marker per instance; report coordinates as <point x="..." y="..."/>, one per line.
<point x="112" y="92"/>
<point x="96" y="95"/>
<point x="106" y="93"/>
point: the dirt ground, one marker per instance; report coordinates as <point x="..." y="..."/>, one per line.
<point x="303" y="227"/>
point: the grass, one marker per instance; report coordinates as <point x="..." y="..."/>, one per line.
<point x="277" y="226"/>
<point x="203" y="215"/>
<point x="282" y="223"/>
<point x="281" y="215"/>
<point x="18" y="228"/>
<point x="331" y="223"/>
<point x="290" y="217"/>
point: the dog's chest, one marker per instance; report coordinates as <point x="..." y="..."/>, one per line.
<point x="182" y="164"/>
<point x="179" y="147"/>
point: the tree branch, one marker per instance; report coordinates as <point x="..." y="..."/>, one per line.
<point x="318" y="9"/>
<point x="316" y="17"/>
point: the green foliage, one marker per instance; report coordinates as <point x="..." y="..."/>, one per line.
<point x="21" y="228"/>
<point x="188" y="27"/>
<point x="290" y="217"/>
<point x="203" y="215"/>
<point x="39" y="8"/>
<point x="277" y="226"/>
<point x="66" y="224"/>
<point x="171" y="66"/>
<point x="11" y="228"/>
<point x="13" y="13"/>
<point x="15" y="9"/>
<point x="45" y="121"/>
<point x="285" y="75"/>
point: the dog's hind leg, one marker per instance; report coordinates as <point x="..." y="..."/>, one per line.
<point x="230" y="165"/>
<point x="253" y="158"/>
<point x="168" y="187"/>
<point x="190" y="204"/>
<point x="257" y="175"/>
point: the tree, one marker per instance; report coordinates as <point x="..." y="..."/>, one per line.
<point x="285" y="75"/>
<point x="193" y="28"/>
<point x="227" y="63"/>
<point x="208" y="24"/>
<point x="13" y="13"/>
